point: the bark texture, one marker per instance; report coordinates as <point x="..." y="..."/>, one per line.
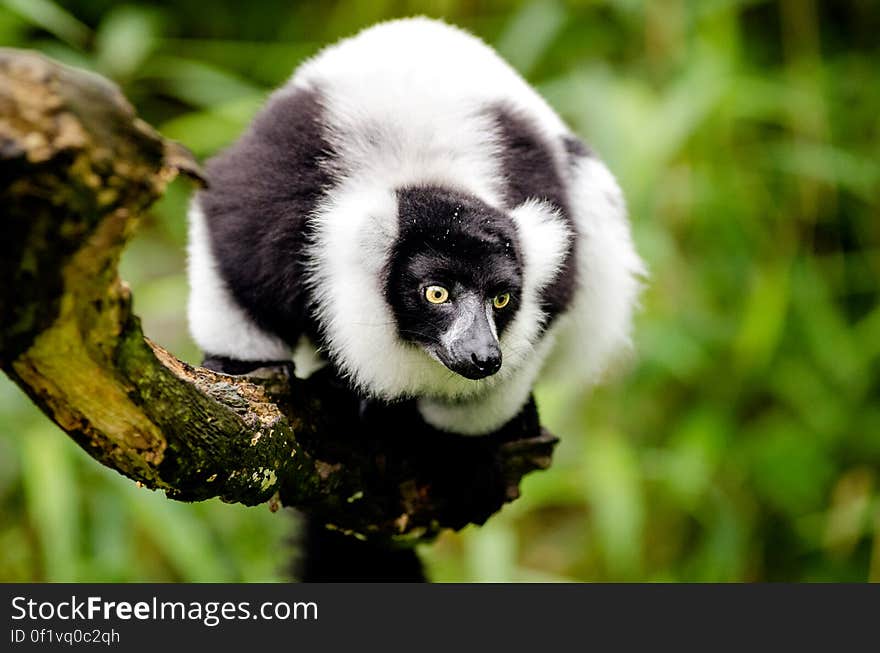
<point x="77" y="167"/>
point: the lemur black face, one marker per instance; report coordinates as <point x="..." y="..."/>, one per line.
<point x="455" y="278"/>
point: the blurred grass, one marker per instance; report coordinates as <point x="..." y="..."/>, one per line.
<point x="743" y="442"/>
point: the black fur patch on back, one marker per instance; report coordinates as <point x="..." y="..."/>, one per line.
<point x="531" y="172"/>
<point x="261" y="193"/>
<point x="576" y="149"/>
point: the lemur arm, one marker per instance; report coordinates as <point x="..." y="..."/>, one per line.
<point x="235" y="367"/>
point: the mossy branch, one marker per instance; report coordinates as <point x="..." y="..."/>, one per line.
<point x="77" y="168"/>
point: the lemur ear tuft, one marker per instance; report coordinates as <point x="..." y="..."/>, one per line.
<point x="544" y="237"/>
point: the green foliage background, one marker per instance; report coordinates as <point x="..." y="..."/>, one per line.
<point x="742" y="443"/>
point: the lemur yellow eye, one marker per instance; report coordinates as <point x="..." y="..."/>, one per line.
<point x="500" y="301"/>
<point x="436" y="294"/>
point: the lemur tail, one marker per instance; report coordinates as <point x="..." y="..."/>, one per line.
<point x="330" y="556"/>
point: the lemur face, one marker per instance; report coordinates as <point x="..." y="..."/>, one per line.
<point x="454" y="280"/>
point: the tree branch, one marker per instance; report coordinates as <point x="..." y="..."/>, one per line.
<point x="77" y="167"/>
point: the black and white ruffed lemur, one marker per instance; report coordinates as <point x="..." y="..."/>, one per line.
<point x="408" y="211"/>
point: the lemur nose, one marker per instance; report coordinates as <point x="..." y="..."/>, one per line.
<point x="488" y="362"/>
